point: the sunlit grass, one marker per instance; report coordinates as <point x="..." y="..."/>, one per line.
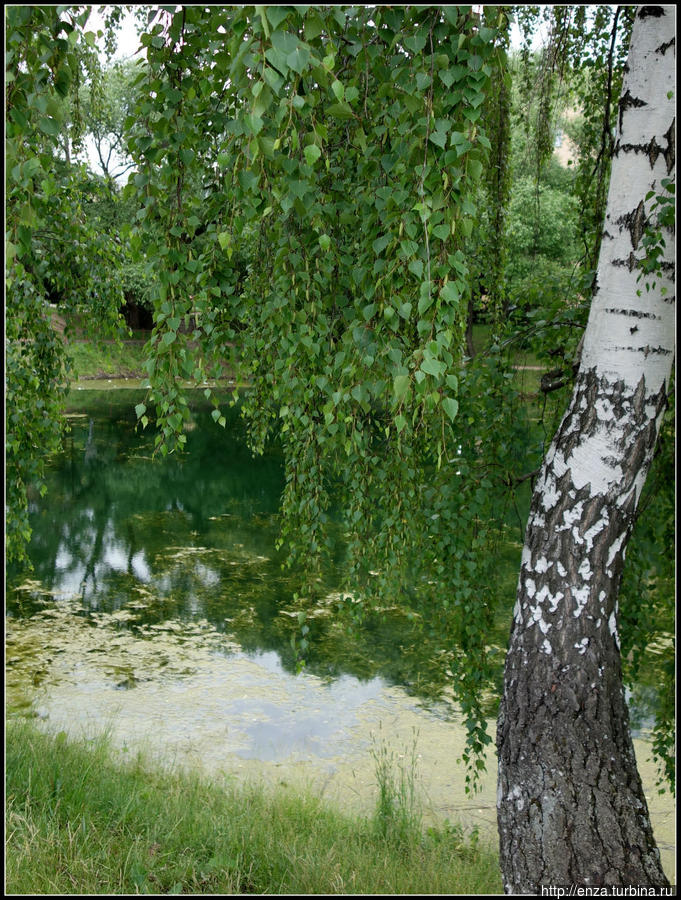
<point x="78" y="821"/>
<point x="115" y="359"/>
<point x="107" y="359"/>
<point x="398" y="813"/>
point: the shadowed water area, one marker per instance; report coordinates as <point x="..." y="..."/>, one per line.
<point x="159" y="609"/>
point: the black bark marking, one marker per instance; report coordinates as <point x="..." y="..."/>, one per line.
<point x="635" y="222"/>
<point x="652" y="149"/>
<point x="636" y="313"/>
<point x="630" y="262"/>
<point x="572" y="428"/>
<point x="656" y="11"/>
<point x="626" y="102"/>
<point x="646" y="351"/>
<point x="670" y="153"/>
<point x="660" y="351"/>
<point x="664" y="47"/>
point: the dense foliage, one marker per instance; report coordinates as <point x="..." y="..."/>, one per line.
<point x="54" y="251"/>
<point x="347" y="146"/>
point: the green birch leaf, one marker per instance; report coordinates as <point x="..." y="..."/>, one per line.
<point x="426" y="298"/>
<point x="381" y="243"/>
<point x="439" y="138"/>
<point x="312" y="154"/>
<point x="451" y="407"/>
<point x="276" y="15"/>
<point x="475" y="169"/>
<point x="400" y="386"/>
<point x="340" y="111"/>
<point x="434" y="367"/>
<point x="298" y="59"/>
<point x="274" y="80"/>
<point x="49" y="126"/>
<point x="450" y="292"/>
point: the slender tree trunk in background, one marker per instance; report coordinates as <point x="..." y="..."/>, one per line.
<point x="497" y="115"/>
<point x="571" y="808"/>
<point x="470" y="346"/>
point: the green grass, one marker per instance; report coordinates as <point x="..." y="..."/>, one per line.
<point x="79" y="821"/>
<point x="529" y="368"/>
<point x="527" y="382"/>
<point x="106" y="360"/>
<point x="482" y="335"/>
<point x="398" y="812"/>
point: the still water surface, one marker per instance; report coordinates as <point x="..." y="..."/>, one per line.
<point x="159" y="609"/>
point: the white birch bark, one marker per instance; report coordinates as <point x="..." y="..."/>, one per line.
<point x="571" y="807"/>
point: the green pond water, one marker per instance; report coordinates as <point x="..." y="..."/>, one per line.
<point x="158" y="609"/>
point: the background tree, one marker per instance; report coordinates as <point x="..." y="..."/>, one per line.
<point x="106" y="102"/>
<point x="488" y="300"/>
<point x="52" y="252"/>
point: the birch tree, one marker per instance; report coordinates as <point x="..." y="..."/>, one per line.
<point x="571" y="807"/>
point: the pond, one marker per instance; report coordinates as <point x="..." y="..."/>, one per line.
<point x="159" y="609"/>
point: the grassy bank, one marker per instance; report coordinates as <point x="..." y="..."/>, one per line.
<point x="126" y="358"/>
<point x="105" y="360"/>
<point x="108" y="360"/>
<point x="80" y="822"/>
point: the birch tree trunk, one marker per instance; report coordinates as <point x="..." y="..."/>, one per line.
<point x="571" y="808"/>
